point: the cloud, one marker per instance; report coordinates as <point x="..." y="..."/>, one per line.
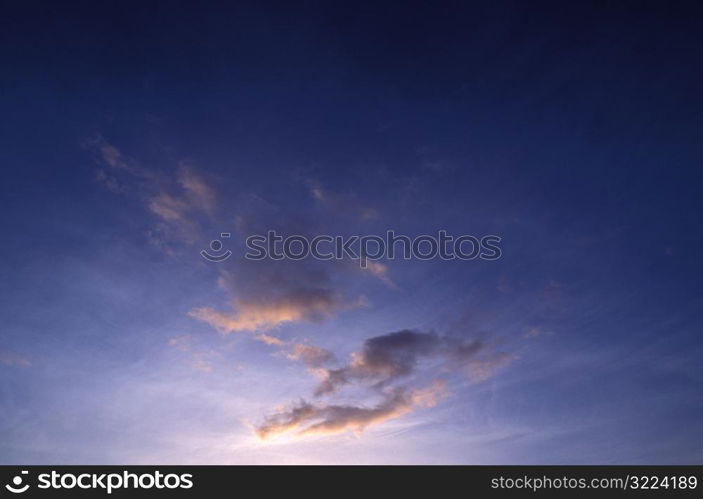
<point x="111" y="156"/>
<point x="256" y="314"/>
<point x="269" y="340"/>
<point x="378" y="368"/>
<point x="311" y="355"/>
<point x="390" y="369"/>
<point x="306" y="418"/>
<point x="269" y="293"/>
<point x="189" y="197"/>
<point x="198" y="192"/>
<point x="200" y="360"/>
<point x="380" y="271"/>
<point x="112" y="163"/>
<point x="179" y="201"/>
<point x="385" y="358"/>
<point x="341" y="203"/>
<point x="483" y="368"/>
<point x="168" y="207"/>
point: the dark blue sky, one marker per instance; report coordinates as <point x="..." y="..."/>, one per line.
<point x="133" y="134"/>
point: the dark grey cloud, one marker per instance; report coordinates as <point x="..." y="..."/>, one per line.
<point x="385" y="358"/>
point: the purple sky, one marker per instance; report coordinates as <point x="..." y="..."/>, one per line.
<point x="134" y="137"/>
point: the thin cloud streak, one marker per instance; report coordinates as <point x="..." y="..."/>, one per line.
<point x="310" y="355"/>
<point x="341" y="203"/>
<point x="178" y="201"/>
<point x="303" y="304"/>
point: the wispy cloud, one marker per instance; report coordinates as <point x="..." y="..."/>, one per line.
<point x="269" y="340"/>
<point x="197" y="359"/>
<point x="310" y="355"/>
<point x="534" y="332"/>
<point x="483" y="368"/>
<point x="199" y="194"/>
<point x="177" y="200"/>
<point x="182" y="201"/>
<point x="170" y="208"/>
<point x="380" y="271"/>
<point x="347" y="203"/>
<point x="108" y="155"/>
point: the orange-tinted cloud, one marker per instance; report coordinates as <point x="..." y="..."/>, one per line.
<point x="311" y="355"/>
<point x="269" y="340"/>
<point x="380" y="271"/>
<point x="301" y="304"/>
<point x="311" y="419"/>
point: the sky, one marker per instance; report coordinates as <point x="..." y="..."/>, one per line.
<point x="134" y="134"/>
